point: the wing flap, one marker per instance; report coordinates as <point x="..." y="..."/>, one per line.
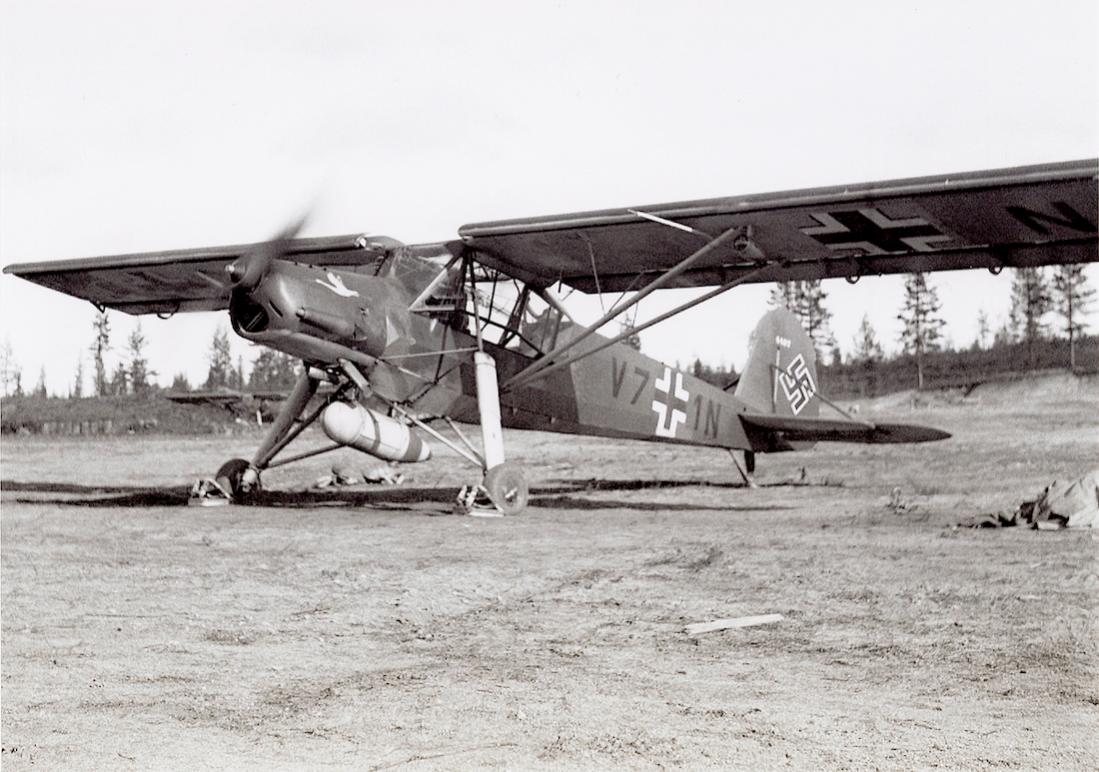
<point x="1018" y="217"/>
<point x="794" y="429"/>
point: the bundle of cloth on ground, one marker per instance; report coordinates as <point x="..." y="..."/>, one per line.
<point x="1063" y="504"/>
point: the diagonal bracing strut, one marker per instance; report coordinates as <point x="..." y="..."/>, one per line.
<point x="516" y="382"/>
<point x="739" y="235"/>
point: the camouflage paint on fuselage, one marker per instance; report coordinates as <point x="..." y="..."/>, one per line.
<point x="424" y="361"/>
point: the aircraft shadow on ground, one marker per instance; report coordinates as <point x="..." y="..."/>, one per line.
<point x="557" y="494"/>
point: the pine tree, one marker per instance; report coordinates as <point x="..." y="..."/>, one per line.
<point x="1071" y="298"/>
<point x="273" y="370"/>
<point x="78" y="380"/>
<point x="815" y="318"/>
<point x="805" y="299"/>
<point x="102" y="344"/>
<point x="784" y="295"/>
<point x="221" y="369"/>
<point x="9" y="371"/>
<point x="180" y="382"/>
<point x="119" y="384"/>
<point x="1029" y="303"/>
<point x="40" y="387"/>
<point x="984" y="331"/>
<point x="867" y="349"/>
<point x="923" y="325"/>
<point x="139" y="365"/>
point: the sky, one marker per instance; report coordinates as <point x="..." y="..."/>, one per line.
<point x="133" y="126"/>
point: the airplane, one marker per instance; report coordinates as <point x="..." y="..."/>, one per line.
<point x="473" y="330"/>
<point x="259" y="404"/>
<point x="229" y="399"/>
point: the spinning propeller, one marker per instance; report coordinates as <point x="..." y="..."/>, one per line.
<point x="247" y="271"/>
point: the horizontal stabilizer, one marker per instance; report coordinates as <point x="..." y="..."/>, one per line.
<point x="794" y="429"/>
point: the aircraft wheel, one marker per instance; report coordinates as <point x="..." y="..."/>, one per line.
<point x="506" y="485"/>
<point x="237" y="477"/>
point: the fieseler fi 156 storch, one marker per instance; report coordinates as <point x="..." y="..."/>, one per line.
<point x="473" y="331"/>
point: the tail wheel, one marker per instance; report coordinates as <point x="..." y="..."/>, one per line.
<point x="506" y="485"/>
<point x="238" y="478"/>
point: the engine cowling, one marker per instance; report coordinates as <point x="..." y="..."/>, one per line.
<point x="373" y="433"/>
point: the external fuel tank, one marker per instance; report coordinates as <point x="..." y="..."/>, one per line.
<point x="373" y="433"/>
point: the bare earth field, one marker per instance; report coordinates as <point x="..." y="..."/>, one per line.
<point x="370" y="628"/>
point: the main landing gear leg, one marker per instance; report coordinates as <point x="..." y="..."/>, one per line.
<point x="237" y="478"/>
<point x="748" y="468"/>
<point x="503" y="484"/>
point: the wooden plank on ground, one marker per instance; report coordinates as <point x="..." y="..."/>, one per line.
<point x="698" y="628"/>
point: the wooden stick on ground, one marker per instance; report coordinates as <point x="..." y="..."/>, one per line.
<point x="698" y="628"/>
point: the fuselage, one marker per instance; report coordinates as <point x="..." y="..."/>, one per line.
<point x="422" y="360"/>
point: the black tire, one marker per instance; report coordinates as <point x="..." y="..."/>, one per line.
<point x="230" y="477"/>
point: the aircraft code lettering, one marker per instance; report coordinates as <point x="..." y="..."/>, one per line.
<point x="618" y="377"/>
<point x="713" y="416"/>
<point x="670" y="402"/>
<point x="644" y="375"/>
<point x="797" y="384"/>
<point x="872" y="232"/>
<point x="1069" y="218"/>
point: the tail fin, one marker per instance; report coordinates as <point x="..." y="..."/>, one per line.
<point x="779" y="387"/>
<point x="781" y="375"/>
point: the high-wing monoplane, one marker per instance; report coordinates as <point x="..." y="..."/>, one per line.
<point x="473" y="330"/>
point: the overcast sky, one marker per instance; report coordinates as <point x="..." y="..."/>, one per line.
<point x="130" y="126"/>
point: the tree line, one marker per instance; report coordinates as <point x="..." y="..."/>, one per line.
<point x="132" y="374"/>
<point x="1036" y="295"/>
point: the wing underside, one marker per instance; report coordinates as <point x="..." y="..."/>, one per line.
<point x="1026" y="216"/>
<point x="183" y="279"/>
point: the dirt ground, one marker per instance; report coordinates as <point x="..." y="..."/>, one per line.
<point x="372" y="629"/>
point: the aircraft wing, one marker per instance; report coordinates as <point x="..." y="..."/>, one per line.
<point x="794" y="429"/>
<point x="1019" y="217"/>
<point x="224" y="397"/>
<point x="181" y="279"/>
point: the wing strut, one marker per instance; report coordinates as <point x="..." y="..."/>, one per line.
<point x="741" y="240"/>
<point x="639" y="328"/>
<point x="545" y="365"/>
